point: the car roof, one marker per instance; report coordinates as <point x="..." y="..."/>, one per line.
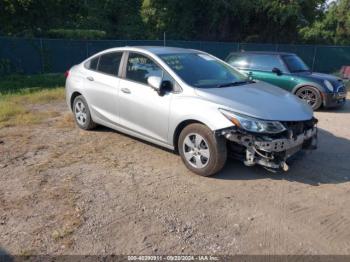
<point x="157" y="50"/>
<point x="263" y="53"/>
<point x="166" y="49"/>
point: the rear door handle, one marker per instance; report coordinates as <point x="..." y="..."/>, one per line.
<point x="90" y="78"/>
<point x="126" y="90"/>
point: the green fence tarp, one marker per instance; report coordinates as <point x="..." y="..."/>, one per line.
<point x="36" y="55"/>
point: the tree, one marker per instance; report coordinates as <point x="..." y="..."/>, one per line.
<point x="273" y="21"/>
<point x="33" y="17"/>
<point x="332" y="28"/>
<point x="119" y="18"/>
<point x="230" y="20"/>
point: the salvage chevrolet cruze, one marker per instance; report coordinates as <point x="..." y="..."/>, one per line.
<point x="190" y="102"/>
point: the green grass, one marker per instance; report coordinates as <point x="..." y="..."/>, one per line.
<point x="18" y="93"/>
<point x="15" y="109"/>
<point x="16" y="84"/>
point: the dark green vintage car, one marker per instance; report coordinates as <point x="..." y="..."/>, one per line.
<point x="289" y="72"/>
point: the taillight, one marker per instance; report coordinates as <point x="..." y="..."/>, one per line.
<point x="66" y="74"/>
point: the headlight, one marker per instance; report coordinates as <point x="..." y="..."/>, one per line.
<point x="328" y="85"/>
<point x="253" y="124"/>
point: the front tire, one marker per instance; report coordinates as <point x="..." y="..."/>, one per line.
<point x="310" y="95"/>
<point x="201" y="151"/>
<point x="82" y="114"/>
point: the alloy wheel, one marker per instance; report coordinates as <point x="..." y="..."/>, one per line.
<point x="309" y="96"/>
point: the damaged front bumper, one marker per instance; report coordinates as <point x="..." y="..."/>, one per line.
<point x="267" y="150"/>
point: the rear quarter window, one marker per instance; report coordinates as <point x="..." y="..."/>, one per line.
<point x="92" y="63"/>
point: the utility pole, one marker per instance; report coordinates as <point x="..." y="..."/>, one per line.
<point x="164" y="39"/>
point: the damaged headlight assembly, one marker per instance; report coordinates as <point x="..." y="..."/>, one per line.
<point x="266" y="142"/>
<point x="252" y="124"/>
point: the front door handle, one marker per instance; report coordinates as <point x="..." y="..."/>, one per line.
<point x="90" y="78"/>
<point x="126" y="90"/>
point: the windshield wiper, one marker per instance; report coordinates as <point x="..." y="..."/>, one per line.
<point x="236" y="83"/>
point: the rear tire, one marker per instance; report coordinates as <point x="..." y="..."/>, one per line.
<point x="82" y="114"/>
<point x="311" y="95"/>
<point x="201" y="151"/>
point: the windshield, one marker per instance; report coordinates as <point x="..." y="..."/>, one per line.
<point x="295" y="64"/>
<point x="203" y="71"/>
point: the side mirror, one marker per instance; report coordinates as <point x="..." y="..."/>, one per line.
<point x="250" y="75"/>
<point x="277" y="71"/>
<point x="155" y="82"/>
<point x="161" y="87"/>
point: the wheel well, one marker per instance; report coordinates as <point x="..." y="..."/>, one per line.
<point x="296" y="90"/>
<point x="178" y="130"/>
<point x="74" y="95"/>
<point x="315" y="87"/>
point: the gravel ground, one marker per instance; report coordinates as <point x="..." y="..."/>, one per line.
<point x="68" y="191"/>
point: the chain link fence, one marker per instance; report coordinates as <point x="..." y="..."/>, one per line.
<point x="36" y="55"/>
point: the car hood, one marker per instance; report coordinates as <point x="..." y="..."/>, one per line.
<point x="259" y="100"/>
<point x="320" y="77"/>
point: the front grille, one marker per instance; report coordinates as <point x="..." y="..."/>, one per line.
<point x="299" y="127"/>
<point x="341" y="89"/>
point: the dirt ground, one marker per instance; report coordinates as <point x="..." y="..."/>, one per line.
<point x="68" y="191"/>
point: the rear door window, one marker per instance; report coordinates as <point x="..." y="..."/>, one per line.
<point x="266" y="62"/>
<point x="109" y="63"/>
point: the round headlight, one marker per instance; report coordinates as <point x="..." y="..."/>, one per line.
<point x="328" y="85"/>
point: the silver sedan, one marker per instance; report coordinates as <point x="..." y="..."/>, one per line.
<point x="191" y="102"/>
